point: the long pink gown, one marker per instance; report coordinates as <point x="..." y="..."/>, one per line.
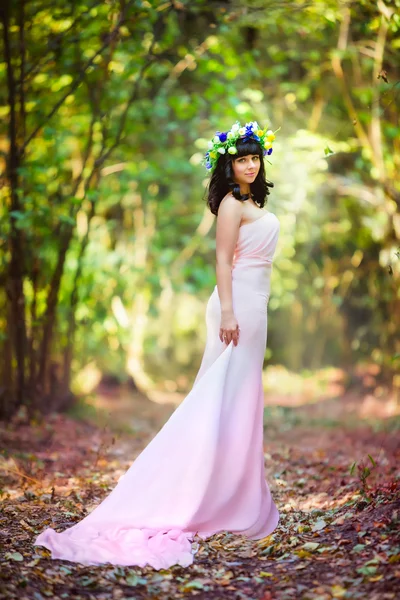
<point x="204" y="470"/>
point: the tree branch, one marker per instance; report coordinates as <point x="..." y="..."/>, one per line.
<point x="376" y="131"/>
<point x="44" y="59"/>
<point x="338" y="70"/>
<point x="135" y="90"/>
<point x="109" y="38"/>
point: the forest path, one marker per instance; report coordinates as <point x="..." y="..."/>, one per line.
<point x="337" y="538"/>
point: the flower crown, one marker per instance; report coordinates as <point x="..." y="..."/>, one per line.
<point x="226" y="142"/>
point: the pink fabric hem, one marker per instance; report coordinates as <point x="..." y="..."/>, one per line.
<point x="121" y="546"/>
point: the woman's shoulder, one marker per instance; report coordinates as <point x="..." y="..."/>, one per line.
<point x="228" y="199"/>
<point x="230" y="205"/>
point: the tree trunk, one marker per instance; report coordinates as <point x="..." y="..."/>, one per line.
<point x="16" y="267"/>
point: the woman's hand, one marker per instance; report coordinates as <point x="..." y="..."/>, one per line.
<point x="229" y="329"/>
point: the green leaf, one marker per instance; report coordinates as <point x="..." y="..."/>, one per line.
<point x="310" y="546"/>
<point x="134" y="580"/>
<point x="14" y="556"/>
<point x="196" y="585"/>
<point x="88" y="581"/>
<point x="17" y="214"/>
<point x="358" y="548"/>
<point x="67" y="219"/>
<point x="367" y="570"/>
<point x="320" y="524"/>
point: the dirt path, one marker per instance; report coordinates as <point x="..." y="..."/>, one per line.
<point x="337" y="537"/>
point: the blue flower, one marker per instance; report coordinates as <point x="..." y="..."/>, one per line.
<point x="269" y="151"/>
<point x="222" y="137"/>
<point x="256" y="137"/>
<point x="264" y="152"/>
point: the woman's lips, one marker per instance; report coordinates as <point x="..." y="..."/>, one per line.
<point x="249" y="174"/>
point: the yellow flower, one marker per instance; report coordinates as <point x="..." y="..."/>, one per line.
<point x="270" y="135"/>
<point x="260" y="132"/>
<point x="267" y="144"/>
<point x="213" y="154"/>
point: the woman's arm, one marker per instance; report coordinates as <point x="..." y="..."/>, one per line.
<point x="228" y="223"/>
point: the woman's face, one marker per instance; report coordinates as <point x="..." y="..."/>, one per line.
<point x="246" y="168"/>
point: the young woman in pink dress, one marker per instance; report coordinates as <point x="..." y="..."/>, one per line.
<point x="204" y="470"/>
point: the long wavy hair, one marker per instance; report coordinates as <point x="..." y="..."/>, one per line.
<point x="221" y="182"/>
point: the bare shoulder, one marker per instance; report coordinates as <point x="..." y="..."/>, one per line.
<point x="229" y="217"/>
<point x="228" y="198"/>
<point x="230" y="206"/>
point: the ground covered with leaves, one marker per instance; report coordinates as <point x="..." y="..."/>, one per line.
<point x="334" y="474"/>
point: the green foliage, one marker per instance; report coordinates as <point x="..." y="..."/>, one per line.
<point x="118" y="100"/>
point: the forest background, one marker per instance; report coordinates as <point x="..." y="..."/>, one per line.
<point x="107" y="249"/>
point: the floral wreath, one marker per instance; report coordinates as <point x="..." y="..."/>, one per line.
<point x="224" y="142"/>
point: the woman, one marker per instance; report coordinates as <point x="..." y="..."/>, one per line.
<point x="204" y="471"/>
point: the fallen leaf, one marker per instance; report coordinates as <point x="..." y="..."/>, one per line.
<point x="14" y="556"/>
<point x="320" y="524"/>
<point x="310" y="545"/>
<point x="338" y="591"/>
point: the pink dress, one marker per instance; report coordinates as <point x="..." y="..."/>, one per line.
<point x="204" y="470"/>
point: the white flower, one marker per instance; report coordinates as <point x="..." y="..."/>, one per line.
<point x="235" y="128"/>
<point x="210" y="145"/>
<point x="255" y="125"/>
<point x="230" y="135"/>
<point x="216" y="139"/>
<point x="232" y="150"/>
<point x="242" y="130"/>
<point x="269" y="132"/>
<point x="221" y="150"/>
